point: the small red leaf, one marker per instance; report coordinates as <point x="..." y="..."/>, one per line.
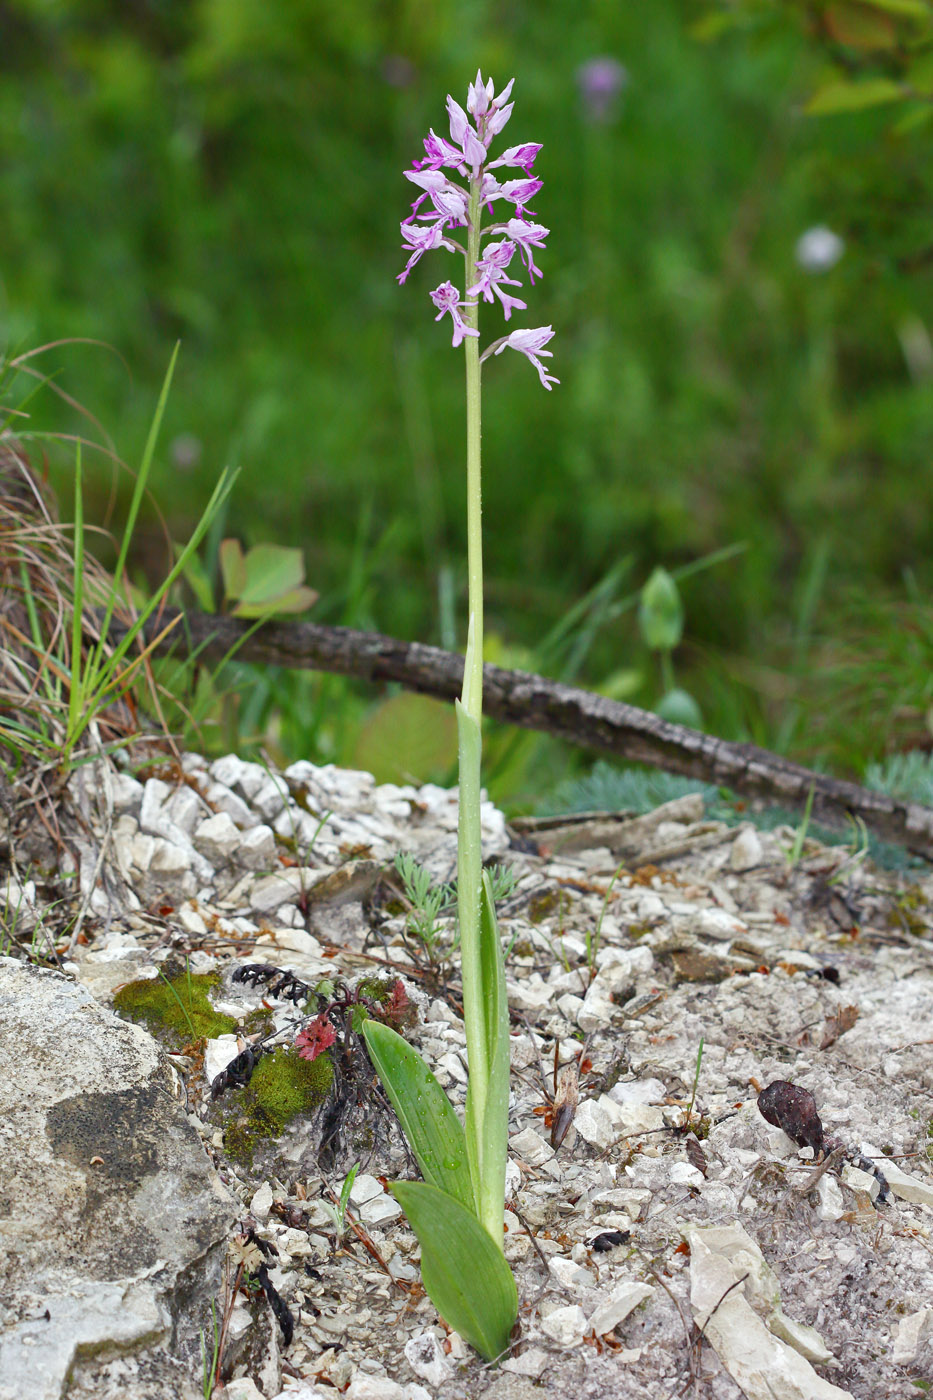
<point x="315" y="1038"/>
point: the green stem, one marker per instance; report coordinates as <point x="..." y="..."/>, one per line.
<point x="667" y="672"/>
<point x="470" y="854"/>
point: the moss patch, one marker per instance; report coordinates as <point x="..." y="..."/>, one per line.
<point x="376" y="988"/>
<point x="541" y="905"/>
<point x="282" y="1087"/>
<point x="175" y="1008"/>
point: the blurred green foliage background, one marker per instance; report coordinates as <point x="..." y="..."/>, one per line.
<point x="229" y="172"/>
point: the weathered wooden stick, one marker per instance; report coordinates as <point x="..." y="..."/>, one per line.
<point x="534" y="702"/>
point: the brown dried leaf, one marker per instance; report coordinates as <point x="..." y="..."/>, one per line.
<point x="836" y="1025"/>
<point x="696" y="1155"/>
<point x="565" y="1103"/>
<point x="794" y="1111"/>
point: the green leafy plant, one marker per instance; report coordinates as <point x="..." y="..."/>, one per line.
<point x="457" y="1210"/>
<point x="696" y="1084"/>
<point x="267" y="579"/>
<point x="427" y="901"/>
<point x="878" y="53"/>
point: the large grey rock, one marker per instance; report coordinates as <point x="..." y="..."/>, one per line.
<point x="113" y="1224"/>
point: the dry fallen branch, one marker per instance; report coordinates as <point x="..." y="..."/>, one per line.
<point x="533" y="702"/>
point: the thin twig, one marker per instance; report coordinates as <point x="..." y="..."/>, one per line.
<point x="701" y="1328"/>
<point x="827" y="1164"/>
<point x="535" y="702"/>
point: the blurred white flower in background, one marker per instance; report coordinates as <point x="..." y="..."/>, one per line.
<point x="819" y="249"/>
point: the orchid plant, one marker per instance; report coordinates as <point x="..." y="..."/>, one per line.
<point x="457" y="1211"/>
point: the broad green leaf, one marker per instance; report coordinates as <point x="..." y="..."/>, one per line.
<point x="679" y="707"/>
<point x="842" y="96"/>
<point x="232" y="568"/>
<point x="462" y="1268"/>
<point x="433" y="1130"/>
<point x="271" y="571"/>
<point x="296" y="601"/>
<point x="407" y="737"/>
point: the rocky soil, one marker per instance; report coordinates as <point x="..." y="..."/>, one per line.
<point x="663" y="970"/>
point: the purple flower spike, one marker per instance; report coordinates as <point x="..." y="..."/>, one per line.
<point x="457" y="187"/>
<point x="447" y="298"/>
<point x="530" y="343"/>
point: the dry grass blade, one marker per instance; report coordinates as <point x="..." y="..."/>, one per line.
<point x="37" y="596"/>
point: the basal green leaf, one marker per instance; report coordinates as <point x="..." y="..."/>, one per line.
<point x="433" y="1130"/>
<point x="842" y="96"/>
<point x="495" y="1127"/>
<point x="463" y="1269"/>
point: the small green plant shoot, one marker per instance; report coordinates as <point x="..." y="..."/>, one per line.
<point x="337" y="1210"/>
<point x="430" y="902"/>
<point x="210" y="1358"/>
<point x="661" y="623"/>
<point x="457" y="1210"/>
<point x="696" y="1084"/>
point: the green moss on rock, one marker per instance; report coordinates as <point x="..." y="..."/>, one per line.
<point x="376" y="988"/>
<point x="283" y="1086"/>
<point x="176" y="1009"/>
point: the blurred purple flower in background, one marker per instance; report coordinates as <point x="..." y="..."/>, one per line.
<point x="601" y="81"/>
